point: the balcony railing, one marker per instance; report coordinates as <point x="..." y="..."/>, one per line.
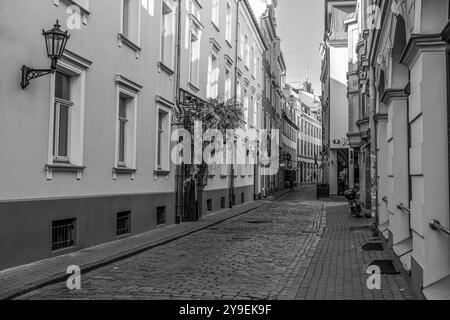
<point x="436" y="226"/>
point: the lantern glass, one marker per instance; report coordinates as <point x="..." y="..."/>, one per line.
<point x="55" y="42"/>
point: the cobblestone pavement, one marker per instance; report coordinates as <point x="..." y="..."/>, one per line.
<point x="338" y="268"/>
<point x="258" y="255"/>
<point x="280" y="251"/>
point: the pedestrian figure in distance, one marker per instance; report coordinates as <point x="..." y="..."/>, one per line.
<point x="291" y="183"/>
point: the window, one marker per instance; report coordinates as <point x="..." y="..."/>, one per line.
<point x="241" y="42"/>
<point x="61" y="118"/>
<point x="123" y="223"/>
<point x="246" y="106"/>
<point x="195" y="9"/>
<point x="63" y="234"/>
<point x="194" y="56"/>
<point x="255" y="115"/>
<point x="131" y="20"/>
<point x="209" y="205"/>
<point x="167" y="34"/>
<point x="239" y="90"/>
<point x="228" y="31"/>
<point x="222" y="203"/>
<point x="247" y="52"/>
<point x="66" y="115"/>
<point x="126" y="123"/>
<point x="227" y="84"/>
<point x="163" y="136"/>
<point x="123" y="121"/>
<point x="242" y="197"/>
<point x="213" y="77"/>
<point x="252" y="61"/>
<point x="257" y="62"/>
<point x="160" y="215"/>
<point x="125" y="17"/>
<point x="252" y="111"/>
<point x="215" y="12"/>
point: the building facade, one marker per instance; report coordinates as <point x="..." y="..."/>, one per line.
<point x="222" y="40"/>
<point x="307" y="116"/>
<point x="403" y="75"/>
<point x="274" y="77"/>
<point x="334" y="52"/>
<point x="89" y="157"/>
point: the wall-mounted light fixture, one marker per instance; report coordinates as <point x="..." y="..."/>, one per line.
<point x="55" y="42"/>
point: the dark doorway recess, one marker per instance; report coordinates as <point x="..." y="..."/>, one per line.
<point x="373" y="246"/>
<point x="386" y="266"/>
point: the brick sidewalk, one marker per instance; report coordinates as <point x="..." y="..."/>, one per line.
<point x="18" y="281"/>
<point x="338" y="267"/>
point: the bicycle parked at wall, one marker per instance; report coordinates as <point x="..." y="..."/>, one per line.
<point x="355" y="209"/>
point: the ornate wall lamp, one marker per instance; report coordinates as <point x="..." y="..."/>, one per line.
<point x="55" y="42"/>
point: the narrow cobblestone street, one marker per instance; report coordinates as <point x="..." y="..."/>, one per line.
<point x="280" y="251"/>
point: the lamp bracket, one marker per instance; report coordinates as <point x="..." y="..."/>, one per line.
<point x="29" y="74"/>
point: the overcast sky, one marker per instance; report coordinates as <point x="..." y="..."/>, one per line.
<point x="300" y="27"/>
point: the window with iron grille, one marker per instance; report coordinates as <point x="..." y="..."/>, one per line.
<point x="123" y="223"/>
<point x="209" y="205"/>
<point x="161" y="215"/>
<point x="222" y="203"/>
<point x="63" y="234"/>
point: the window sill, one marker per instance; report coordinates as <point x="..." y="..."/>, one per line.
<point x="362" y="121"/>
<point x="63" y="167"/>
<point x="161" y="173"/>
<point x="193" y="87"/>
<point x="124" y="40"/>
<point x="124" y="171"/>
<point x="166" y="69"/>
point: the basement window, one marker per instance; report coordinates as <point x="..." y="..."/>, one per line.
<point x="160" y="215"/>
<point x="123" y="223"/>
<point x="223" y="203"/>
<point x="209" y="205"/>
<point x="63" y="234"/>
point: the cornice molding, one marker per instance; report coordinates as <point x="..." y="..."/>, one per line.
<point x="165" y="102"/>
<point x="124" y="82"/>
<point x="419" y="43"/>
<point x="394" y="94"/>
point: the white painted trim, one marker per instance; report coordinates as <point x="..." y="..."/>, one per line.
<point x="76" y="67"/>
<point x="168" y="110"/>
<point x="130" y="157"/>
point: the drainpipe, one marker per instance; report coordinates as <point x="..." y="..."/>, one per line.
<point x="373" y="153"/>
<point x="179" y="168"/>
<point x="231" y="184"/>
